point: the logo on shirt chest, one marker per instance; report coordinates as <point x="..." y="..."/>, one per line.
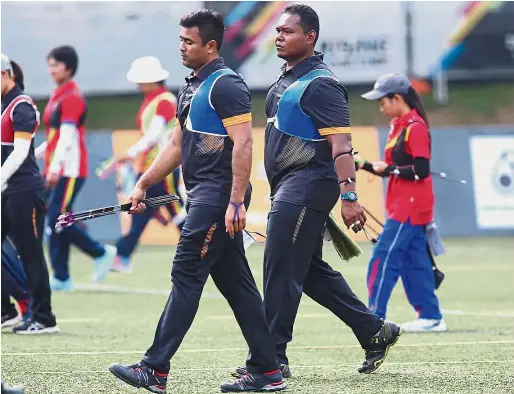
<point x="185" y="101"/>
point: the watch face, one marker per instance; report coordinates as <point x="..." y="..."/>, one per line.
<point x="349" y="196"/>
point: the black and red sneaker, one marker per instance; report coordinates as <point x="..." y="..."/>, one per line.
<point x="284" y="368"/>
<point x="267" y="382"/>
<point x="141" y="376"/>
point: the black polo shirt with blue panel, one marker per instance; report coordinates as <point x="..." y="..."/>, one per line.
<point x="209" y="102"/>
<point x="303" y="106"/>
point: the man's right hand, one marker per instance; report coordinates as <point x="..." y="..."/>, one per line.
<point x="136" y="198"/>
<point x="353" y="215"/>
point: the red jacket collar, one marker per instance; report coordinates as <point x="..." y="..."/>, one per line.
<point x="66" y="88"/>
<point x="411" y="116"/>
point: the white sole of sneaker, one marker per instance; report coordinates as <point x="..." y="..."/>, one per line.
<point x="274" y="387"/>
<point x="11" y="322"/>
<point x="121" y="270"/>
<point x="47" y="330"/>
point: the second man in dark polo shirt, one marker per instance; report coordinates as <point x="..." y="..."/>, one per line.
<point x="307" y="151"/>
<point x="214" y="145"/>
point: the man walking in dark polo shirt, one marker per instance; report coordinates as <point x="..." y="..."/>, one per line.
<point x="308" y="151"/>
<point x="213" y="142"/>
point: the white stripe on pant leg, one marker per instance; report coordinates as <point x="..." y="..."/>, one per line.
<point x="385" y="264"/>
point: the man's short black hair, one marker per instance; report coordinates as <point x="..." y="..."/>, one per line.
<point x="309" y="19"/>
<point x="210" y="25"/>
<point x="67" y="55"/>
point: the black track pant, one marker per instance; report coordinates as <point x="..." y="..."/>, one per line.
<point x="293" y="264"/>
<point x="23" y="220"/>
<point x="205" y="248"/>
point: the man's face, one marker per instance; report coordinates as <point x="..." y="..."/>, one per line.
<point x="58" y="71"/>
<point x="193" y="53"/>
<point x="291" y="41"/>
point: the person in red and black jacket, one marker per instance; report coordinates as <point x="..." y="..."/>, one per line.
<point x="402" y="247"/>
<point x="23" y="207"/>
<point x="66" y="169"/>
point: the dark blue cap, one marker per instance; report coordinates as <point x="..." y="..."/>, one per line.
<point x="388" y="84"/>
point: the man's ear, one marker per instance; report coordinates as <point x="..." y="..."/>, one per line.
<point x="212" y="46"/>
<point x="311" y="37"/>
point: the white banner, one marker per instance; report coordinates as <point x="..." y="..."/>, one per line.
<point x="107" y="35"/>
<point x="492" y="158"/>
<point x="432" y="28"/>
<point x="360" y="40"/>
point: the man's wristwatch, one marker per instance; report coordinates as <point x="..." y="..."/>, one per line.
<point x="349" y="196"/>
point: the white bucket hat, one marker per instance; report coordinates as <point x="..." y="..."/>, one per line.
<point x="147" y="69"/>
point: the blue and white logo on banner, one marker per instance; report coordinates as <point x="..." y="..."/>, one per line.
<point x="492" y="161"/>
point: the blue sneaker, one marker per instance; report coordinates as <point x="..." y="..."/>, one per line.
<point x="103" y="263"/>
<point x="12" y="390"/>
<point x="122" y="265"/>
<point x="60" y="285"/>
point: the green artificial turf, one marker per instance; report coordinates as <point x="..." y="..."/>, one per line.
<point x="115" y="323"/>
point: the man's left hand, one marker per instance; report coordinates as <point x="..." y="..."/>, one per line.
<point x="353" y="215"/>
<point x="52" y="179"/>
<point x="235" y="219"/>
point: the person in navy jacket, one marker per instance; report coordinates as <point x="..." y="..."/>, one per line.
<point x="23" y="206"/>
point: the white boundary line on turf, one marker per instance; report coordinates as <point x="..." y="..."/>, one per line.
<point x="103" y="288"/>
<point x="502" y="342"/>
<point x="324" y="366"/>
<point x="79" y="320"/>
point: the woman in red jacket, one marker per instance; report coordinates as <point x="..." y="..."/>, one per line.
<point x="402" y="247"/>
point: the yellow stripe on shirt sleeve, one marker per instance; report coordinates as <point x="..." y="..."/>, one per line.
<point x="23" y="134"/>
<point x="407" y="133"/>
<point x="233" y="120"/>
<point x="334" y="130"/>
